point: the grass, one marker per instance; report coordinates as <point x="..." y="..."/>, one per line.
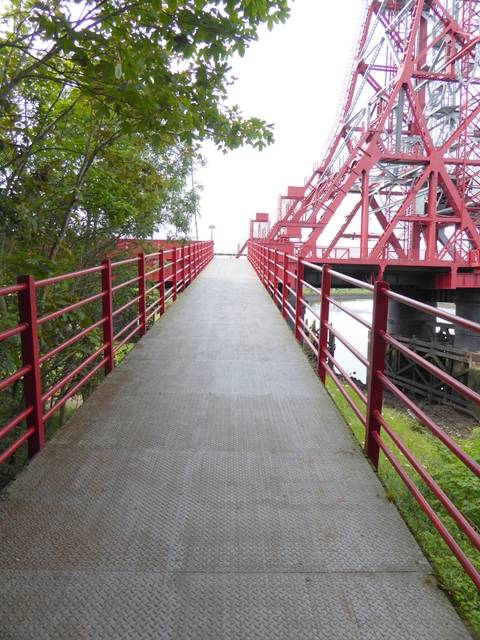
<point x="339" y="293"/>
<point x="461" y="486"/>
<point x="123" y="351"/>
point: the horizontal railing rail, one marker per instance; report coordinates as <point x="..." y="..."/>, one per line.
<point x="128" y="296"/>
<point x="282" y="276"/>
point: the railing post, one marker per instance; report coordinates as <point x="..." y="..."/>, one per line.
<point x="264" y="265"/>
<point x="274" y="276"/>
<point x="161" y="280"/>
<point x="174" y="272"/>
<point x="299" y="300"/>
<point x="271" y="271"/>
<point x="267" y="269"/>
<point x="285" y="285"/>
<point x="27" y="308"/>
<point x="323" y="328"/>
<point x="107" y="311"/>
<point x="377" y="364"/>
<point x="142" y="302"/>
<point x="182" y="267"/>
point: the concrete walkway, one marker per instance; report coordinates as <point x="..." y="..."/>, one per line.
<point x="210" y="489"/>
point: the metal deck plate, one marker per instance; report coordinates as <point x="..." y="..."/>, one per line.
<point x="210" y="489"/>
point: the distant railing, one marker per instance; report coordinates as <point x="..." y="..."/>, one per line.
<point x="283" y="277"/>
<point x="125" y="306"/>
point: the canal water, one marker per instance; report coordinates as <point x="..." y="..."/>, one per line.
<point x="355" y="332"/>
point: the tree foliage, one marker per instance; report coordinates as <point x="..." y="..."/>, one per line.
<point x="103" y="106"/>
<point x="160" y="67"/>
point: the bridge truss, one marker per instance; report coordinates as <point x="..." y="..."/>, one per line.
<point x="401" y="180"/>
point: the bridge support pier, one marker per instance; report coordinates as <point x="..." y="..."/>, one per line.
<point x="411" y="323"/>
<point x="420" y="326"/>
<point x="468" y="306"/>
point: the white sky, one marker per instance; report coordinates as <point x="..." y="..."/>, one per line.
<point x="292" y="77"/>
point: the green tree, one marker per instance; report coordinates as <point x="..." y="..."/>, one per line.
<point x="82" y="82"/>
<point x="160" y="67"/>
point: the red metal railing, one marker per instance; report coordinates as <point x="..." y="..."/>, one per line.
<point x="283" y="277"/>
<point x="158" y="278"/>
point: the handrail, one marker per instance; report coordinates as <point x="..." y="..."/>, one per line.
<point x="112" y="304"/>
<point x="283" y="277"/>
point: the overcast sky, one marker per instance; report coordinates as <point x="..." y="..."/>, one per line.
<point x="292" y="77"/>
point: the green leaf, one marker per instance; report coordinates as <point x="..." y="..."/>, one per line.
<point x="126" y="127"/>
<point x="118" y="71"/>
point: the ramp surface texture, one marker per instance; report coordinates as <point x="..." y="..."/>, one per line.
<point x="210" y="489"/>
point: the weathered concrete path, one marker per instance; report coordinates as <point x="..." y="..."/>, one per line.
<point x="210" y="490"/>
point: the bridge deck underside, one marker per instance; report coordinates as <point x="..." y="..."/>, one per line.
<point x="210" y="489"/>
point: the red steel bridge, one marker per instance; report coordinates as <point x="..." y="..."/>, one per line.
<point x="399" y="188"/>
<point x="209" y="488"/>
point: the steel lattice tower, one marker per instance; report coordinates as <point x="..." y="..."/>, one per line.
<point x="405" y="160"/>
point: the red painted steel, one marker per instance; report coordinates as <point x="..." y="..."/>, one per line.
<point x="400" y="183"/>
<point x="27" y="309"/>
<point x="34" y="413"/>
<point x="68" y="276"/>
<point x="323" y="323"/>
<point x="371" y="417"/>
<point x="142" y="301"/>
<point x="107" y="312"/>
<point x="284" y="285"/>
<point x="182" y="268"/>
<point x="71" y="341"/>
<point x="376" y="366"/>
<point x="433" y="517"/>
<point x="174" y="265"/>
<point x="161" y="276"/>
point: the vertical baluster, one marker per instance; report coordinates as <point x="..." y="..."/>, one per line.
<point x="299" y="300"/>
<point x="174" y="272"/>
<point x="27" y="308"/>
<point x="377" y="364"/>
<point x="323" y="328"/>
<point x="107" y="311"/>
<point x="161" y="280"/>
<point x="142" y="301"/>
<point x="285" y="285"/>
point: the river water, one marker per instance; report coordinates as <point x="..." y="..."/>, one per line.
<point x="354" y="332"/>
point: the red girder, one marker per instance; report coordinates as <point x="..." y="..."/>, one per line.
<point x="406" y="156"/>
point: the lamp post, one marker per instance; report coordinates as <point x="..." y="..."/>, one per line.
<point x="211" y="227"/>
